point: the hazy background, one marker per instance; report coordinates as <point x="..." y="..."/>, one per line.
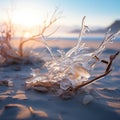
<point x="99" y="14"/>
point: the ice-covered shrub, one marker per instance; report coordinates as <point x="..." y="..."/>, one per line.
<point x="72" y="70"/>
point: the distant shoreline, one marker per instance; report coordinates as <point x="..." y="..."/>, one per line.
<point x="66" y="44"/>
<point x="75" y="38"/>
<point x="85" y="38"/>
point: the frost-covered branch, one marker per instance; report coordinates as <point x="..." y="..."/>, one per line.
<point x="72" y="69"/>
<point x="7" y="51"/>
<point x="74" y="49"/>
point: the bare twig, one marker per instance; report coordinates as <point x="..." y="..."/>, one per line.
<point x="112" y="57"/>
<point x="20" y="48"/>
<point x="107" y="71"/>
<point x="7" y="31"/>
<point x="91" y="81"/>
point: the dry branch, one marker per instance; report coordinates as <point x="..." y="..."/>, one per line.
<point x="7" y="35"/>
<point x="107" y="71"/>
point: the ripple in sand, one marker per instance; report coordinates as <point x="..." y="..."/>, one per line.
<point x="20" y="97"/>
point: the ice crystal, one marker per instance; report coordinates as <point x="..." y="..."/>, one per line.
<point x="73" y="67"/>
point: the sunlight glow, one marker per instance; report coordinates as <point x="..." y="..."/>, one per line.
<point x="27" y="35"/>
<point x="26" y="17"/>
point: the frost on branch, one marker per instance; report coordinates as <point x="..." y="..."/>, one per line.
<point x="72" y="70"/>
<point x="11" y="54"/>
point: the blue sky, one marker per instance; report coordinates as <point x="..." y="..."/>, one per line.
<point x="98" y="12"/>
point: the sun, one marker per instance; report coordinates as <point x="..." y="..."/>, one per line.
<point x="27" y="35"/>
<point x="26" y="17"/>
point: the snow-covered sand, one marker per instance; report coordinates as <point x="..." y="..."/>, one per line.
<point x="19" y="103"/>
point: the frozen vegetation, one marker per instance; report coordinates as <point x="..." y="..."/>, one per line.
<point x="72" y="69"/>
<point x="64" y="74"/>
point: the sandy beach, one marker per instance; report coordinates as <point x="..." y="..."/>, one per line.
<point x="19" y="103"/>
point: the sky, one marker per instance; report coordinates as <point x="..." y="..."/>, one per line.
<point x="99" y="13"/>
